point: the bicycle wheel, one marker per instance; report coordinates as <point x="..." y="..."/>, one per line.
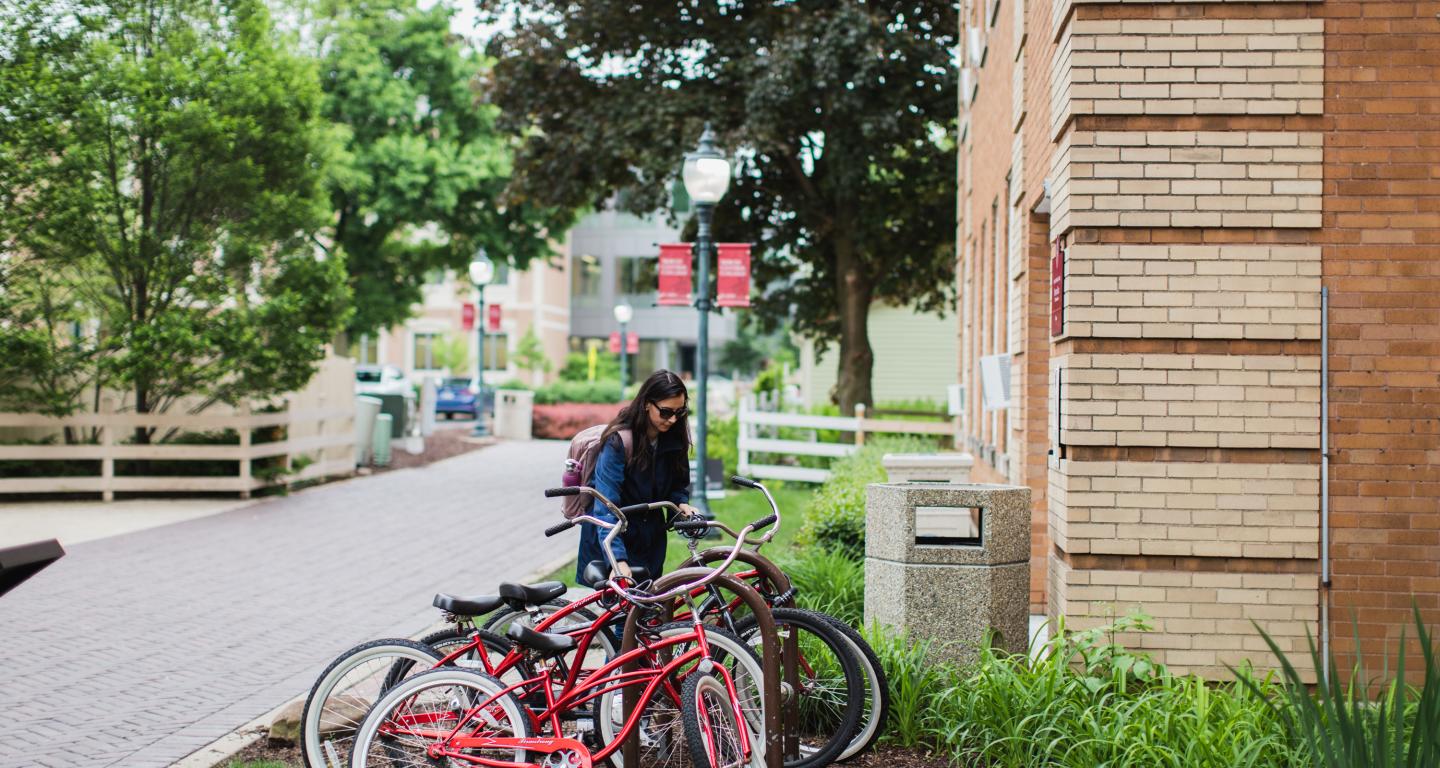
<point x="877" y="697"/>
<point x="452" y="639"/>
<point x="712" y="732"/>
<point x="410" y="724"/>
<point x="832" y="686"/>
<point x="346" y="690"/>
<point x="662" y="736"/>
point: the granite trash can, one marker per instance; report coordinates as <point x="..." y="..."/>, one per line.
<point x="514" y="413"/>
<point x="949" y="563"/>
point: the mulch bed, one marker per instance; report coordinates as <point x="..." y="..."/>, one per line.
<point x="263" y="751"/>
<point x="443" y="443"/>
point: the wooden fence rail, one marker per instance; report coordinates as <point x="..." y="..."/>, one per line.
<point x="859" y="425"/>
<point x="319" y="432"/>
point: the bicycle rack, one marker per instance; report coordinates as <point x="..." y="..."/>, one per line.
<point x="789" y="651"/>
<point x="774" y="739"/>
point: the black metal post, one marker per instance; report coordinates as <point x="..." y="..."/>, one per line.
<point x="480" y="429"/>
<point x="704" y="212"/>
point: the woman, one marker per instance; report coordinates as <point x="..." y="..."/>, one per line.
<point x="658" y="469"/>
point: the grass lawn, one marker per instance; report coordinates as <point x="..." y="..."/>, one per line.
<point x="740" y="506"/>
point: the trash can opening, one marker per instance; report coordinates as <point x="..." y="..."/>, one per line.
<point x="949" y="526"/>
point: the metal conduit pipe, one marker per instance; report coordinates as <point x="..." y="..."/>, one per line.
<point x="1325" y="483"/>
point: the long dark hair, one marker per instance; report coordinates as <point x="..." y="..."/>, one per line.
<point x="662" y="385"/>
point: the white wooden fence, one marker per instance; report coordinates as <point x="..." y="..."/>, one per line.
<point x="319" y="424"/>
<point x="859" y="425"/>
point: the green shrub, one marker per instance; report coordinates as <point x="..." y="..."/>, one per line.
<point x="722" y="442"/>
<point x="1083" y="701"/>
<point x="515" y="384"/>
<point x="607" y="391"/>
<point x="830" y="581"/>
<point x="836" y="514"/>
<point x="577" y="367"/>
<point x="1342" y="726"/>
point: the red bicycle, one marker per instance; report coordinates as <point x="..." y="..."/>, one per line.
<point x="702" y="677"/>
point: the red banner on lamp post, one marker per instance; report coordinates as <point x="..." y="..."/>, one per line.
<point x="493" y="313"/>
<point x="675" y="280"/>
<point x="632" y="343"/>
<point x="733" y="275"/>
<point x="467" y="316"/>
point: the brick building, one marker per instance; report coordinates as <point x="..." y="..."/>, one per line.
<point x="1193" y="174"/>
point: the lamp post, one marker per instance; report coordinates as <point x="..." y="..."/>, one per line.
<point x="482" y="271"/>
<point x="623" y="313"/>
<point x="707" y="175"/>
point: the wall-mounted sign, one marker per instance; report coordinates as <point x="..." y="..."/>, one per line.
<point x="1057" y="288"/>
<point x="675" y="259"/>
<point x="733" y="275"/>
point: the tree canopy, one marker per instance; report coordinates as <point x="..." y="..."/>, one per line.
<point x="839" y="117"/>
<point x="421" y="184"/>
<point x="162" y="166"/>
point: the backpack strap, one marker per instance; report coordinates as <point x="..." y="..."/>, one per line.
<point x="627" y="441"/>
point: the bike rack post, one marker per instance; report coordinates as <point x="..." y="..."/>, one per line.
<point x="770" y="666"/>
<point x="790" y="649"/>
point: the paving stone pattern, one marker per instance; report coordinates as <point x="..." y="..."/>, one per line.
<point x="139" y="649"/>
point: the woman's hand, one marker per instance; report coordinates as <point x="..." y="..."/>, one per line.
<point x="689" y="511"/>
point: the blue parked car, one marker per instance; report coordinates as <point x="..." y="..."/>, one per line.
<point x="456" y="396"/>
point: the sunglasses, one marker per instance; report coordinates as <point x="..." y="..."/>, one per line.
<point x="671" y="413"/>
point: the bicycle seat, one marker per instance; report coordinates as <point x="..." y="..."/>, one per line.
<point x="468" y="606"/>
<point x="544" y="642"/>
<point x="597" y="573"/>
<point x="532" y="594"/>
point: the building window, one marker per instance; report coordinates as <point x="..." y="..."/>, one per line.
<point x="425" y="351"/>
<point x="585" y="273"/>
<point x="637" y="278"/>
<point x="497" y="351"/>
<point x="367" y="351"/>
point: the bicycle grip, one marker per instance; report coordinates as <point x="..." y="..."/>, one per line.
<point x="569" y="490"/>
<point x="764" y="521"/>
<point x="633" y="508"/>
<point x="744" y="482"/>
<point x="559" y="527"/>
<point x="691" y="526"/>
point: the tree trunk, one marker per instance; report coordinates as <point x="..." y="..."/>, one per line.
<point x="852" y="381"/>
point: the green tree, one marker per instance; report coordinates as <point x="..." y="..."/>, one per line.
<point x="423" y="184"/>
<point x="162" y="162"/>
<point x="839" y="115"/>
<point x="452" y="352"/>
<point x="530" y="354"/>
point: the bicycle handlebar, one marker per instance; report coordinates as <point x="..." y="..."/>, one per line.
<point x="559" y="527"/>
<point x="744" y="482"/>
<point x="569" y="490"/>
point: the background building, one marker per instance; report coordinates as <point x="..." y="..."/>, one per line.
<point x="1196" y="173"/>
<point x="915" y="358"/>
<point x="613" y="259"/>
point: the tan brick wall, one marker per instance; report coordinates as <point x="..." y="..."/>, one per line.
<point x="1189" y="67"/>
<point x="1185" y="509"/>
<point x="1189" y="179"/>
<point x="1202" y="620"/>
<point x="1193" y="291"/>
<point x="1191" y="401"/>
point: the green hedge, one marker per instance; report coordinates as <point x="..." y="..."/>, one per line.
<point x="835" y="516"/>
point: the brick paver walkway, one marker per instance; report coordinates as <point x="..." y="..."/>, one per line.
<point x="140" y="649"/>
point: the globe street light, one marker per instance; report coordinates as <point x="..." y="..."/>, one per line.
<point x="707" y="175"/>
<point x="482" y="271"/>
<point x="623" y="313"/>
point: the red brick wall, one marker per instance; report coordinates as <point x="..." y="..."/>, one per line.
<point x="1381" y="262"/>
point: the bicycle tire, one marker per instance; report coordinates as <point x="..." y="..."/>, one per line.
<point x="729" y="644"/>
<point x="837" y="719"/>
<point x="705" y="711"/>
<point x="313" y="749"/>
<point x="414" y="687"/>
<point x="872" y="722"/>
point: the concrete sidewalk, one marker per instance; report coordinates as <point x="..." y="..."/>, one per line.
<point x="138" y="649"/>
<point x="75" y="522"/>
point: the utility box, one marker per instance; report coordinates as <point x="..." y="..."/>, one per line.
<point x="514" y="409"/>
<point x="949" y="563"/>
<point x="398" y="408"/>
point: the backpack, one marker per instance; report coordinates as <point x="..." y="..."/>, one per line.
<point x="580" y="466"/>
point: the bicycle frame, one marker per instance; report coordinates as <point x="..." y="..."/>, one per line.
<point x="608" y="679"/>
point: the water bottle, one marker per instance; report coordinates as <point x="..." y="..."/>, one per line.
<point x="572" y="474"/>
